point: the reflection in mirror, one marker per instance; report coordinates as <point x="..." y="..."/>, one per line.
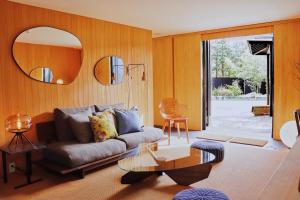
<point x="109" y="70"/>
<point x="43" y="74"/>
<point x="58" y="50"/>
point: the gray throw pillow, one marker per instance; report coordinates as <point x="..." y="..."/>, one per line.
<point x="128" y="121"/>
<point x="80" y="125"/>
<point x="61" y="119"/>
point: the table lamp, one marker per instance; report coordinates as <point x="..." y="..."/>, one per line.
<point x="18" y="124"/>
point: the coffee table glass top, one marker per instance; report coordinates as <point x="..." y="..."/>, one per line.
<point x="152" y="157"/>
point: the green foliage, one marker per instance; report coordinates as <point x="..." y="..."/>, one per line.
<point x="235" y="89"/>
<point x="232" y="58"/>
<point x="229" y="90"/>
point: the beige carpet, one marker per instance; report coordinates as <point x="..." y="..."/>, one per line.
<point x="249" y="141"/>
<point x="243" y="173"/>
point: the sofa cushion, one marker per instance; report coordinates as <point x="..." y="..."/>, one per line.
<point x="61" y="120"/>
<point x="149" y="135"/>
<point x="80" y="125"/>
<point x="70" y="154"/>
<point x="132" y="140"/>
<point x="128" y="121"/>
<point x="102" y="127"/>
<point x="110" y="114"/>
<point x="152" y="134"/>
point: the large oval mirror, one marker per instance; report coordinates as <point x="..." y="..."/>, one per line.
<point x="109" y="70"/>
<point x="48" y="54"/>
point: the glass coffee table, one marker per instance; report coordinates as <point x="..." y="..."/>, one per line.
<point x="183" y="164"/>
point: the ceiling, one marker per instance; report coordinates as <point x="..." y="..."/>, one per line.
<point x="166" y="17"/>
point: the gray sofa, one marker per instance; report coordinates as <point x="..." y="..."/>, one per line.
<point x="64" y="154"/>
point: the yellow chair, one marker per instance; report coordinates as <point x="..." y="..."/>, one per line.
<point x="173" y="113"/>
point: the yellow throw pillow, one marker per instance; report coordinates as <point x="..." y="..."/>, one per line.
<point x="110" y="114"/>
<point x="102" y="128"/>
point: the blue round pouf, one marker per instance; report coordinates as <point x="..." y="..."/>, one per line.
<point x="215" y="148"/>
<point x="200" y="194"/>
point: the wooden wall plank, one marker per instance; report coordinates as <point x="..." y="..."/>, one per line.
<point x="163" y="73"/>
<point x="99" y="38"/>
<point x="187" y="76"/>
<point x="286" y="73"/>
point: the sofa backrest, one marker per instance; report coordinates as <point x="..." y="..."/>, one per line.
<point x="46" y="132"/>
<point x="59" y="129"/>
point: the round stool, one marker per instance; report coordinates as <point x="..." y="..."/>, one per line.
<point x="200" y="194"/>
<point x="215" y="148"/>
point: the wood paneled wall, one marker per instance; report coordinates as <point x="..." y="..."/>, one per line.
<point x="65" y="62"/>
<point x="287" y="73"/>
<point x="163" y="75"/>
<point x="187" y="76"/>
<point x="176" y="61"/>
<point x="286" y="69"/>
<point x="18" y="93"/>
<point x="238" y="31"/>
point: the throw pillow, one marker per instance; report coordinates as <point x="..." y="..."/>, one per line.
<point x="102" y="128"/>
<point x="110" y="114"/>
<point x="128" y="121"/>
<point x="80" y="125"/>
<point x="61" y="120"/>
<point x="141" y="118"/>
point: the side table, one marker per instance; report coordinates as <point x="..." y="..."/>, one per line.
<point x="21" y="149"/>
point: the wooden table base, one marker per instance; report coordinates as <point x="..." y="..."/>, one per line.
<point x="184" y="176"/>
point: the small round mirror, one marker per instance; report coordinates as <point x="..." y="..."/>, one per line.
<point x="109" y="70"/>
<point x="289" y="133"/>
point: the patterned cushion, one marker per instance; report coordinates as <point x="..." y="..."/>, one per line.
<point x="110" y="114"/>
<point x="215" y="148"/>
<point x="102" y="128"/>
<point x="200" y="194"/>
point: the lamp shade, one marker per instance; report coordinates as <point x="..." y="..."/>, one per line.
<point x="18" y="123"/>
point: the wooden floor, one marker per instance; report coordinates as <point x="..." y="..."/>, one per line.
<point x="242" y="175"/>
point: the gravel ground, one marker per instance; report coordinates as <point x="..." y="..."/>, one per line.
<point x="236" y="116"/>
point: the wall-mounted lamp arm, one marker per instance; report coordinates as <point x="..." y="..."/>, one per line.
<point x="128" y="69"/>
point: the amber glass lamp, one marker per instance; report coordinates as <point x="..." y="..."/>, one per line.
<point x="18" y="124"/>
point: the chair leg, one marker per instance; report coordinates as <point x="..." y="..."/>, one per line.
<point x="164" y="127"/>
<point x="187" y="131"/>
<point x="178" y="129"/>
<point x="169" y="133"/>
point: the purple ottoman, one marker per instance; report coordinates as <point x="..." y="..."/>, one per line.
<point x="215" y="148"/>
<point x="200" y="194"/>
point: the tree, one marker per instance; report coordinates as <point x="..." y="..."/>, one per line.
<point x="231" y="58"/>
<point x="221" y="54"/>
<point x="254" y="71"/>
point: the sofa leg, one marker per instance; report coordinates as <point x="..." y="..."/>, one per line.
<point x="81" y="173"/>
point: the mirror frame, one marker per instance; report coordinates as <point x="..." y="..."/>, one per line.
<point x="124" y="73"/>
<point x="27" y="75"/>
